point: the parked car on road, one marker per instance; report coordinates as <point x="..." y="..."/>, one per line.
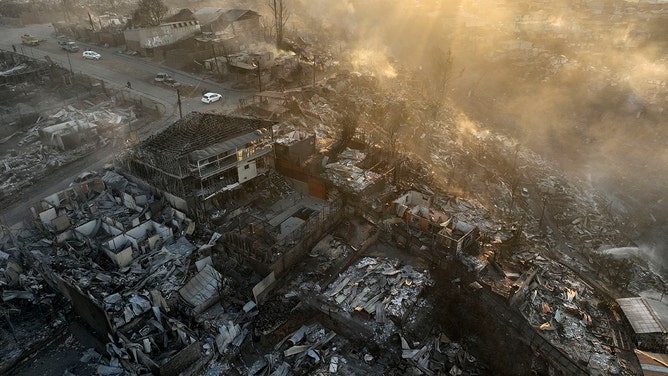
<point x="29" y="40"/>
<point x="68" y="46"/>
<point x="171" y="82"/>
<point x="211" y="97"/>
<point x="160" y="77"/>
<point x="92" y="55"/>
<point x="166" y="79"/>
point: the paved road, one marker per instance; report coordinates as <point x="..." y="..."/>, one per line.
<point x="116" y="69"/>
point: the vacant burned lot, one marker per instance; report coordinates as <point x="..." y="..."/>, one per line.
<point x="55" y="124"/>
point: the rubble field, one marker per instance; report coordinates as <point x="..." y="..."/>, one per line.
<point x="53" y="124"/>
<point x="374" y="227"/>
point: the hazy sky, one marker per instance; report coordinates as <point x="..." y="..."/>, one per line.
<point x="581" y="82"/>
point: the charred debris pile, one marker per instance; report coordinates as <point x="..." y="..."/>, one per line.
<point x="161" y="299"/>
<point x="518" y="202"/>
<point x="170" y="295"/>
<point x="51" y="118"/>
<point x="58" y="139"/>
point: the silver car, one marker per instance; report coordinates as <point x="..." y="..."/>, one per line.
<point x="160" y="77"/>
<point x="211" y="97"/>
<point x="91" y="55"/>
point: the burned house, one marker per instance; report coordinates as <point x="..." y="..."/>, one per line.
<point x="68" y="135"/>
<point x="227" y="35"/>
<point x="116" y="225"/>
<point x="345" y="172"/>
<point x="235" y="26"/>
<point x="295" y="146"/>
<point x="235" y="44"/>
<point x="245" y="63"/>
<point x="147" y="40"/>
<point x="202" y="156"/>
<point x="270" y="105"/>
<point x="295" y="150"/>
<point x="437" y="229"/>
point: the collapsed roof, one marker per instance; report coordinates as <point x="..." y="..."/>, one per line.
<point x="208" y="15"/>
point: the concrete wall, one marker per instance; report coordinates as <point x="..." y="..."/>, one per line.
<point x="181" y="360"/>
<point x="122" y="258"/>
<point x="111" y="227"/>
<point x="119" y="242"/>
<point x="112" y="39"/>
<point x="315" y="229"/>
<point x="120" y="248"/>
<point x="412" y="198"/>
<point x="93" y="315"/>
<point x="87" y="229"/>
<point x="298" y="151"/>
<point x="298" y="185"/>
<point x="141" y="232"/>
<point x="47" y="216"/>
<point x="316" y="186"/>
<point x="162" y="35"/>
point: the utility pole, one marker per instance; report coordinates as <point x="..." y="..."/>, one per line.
<point x="178" y="95"/>
<point x="314" y="56"/>
<point x="259" y="74"/>
<point x="70" y="62"/>
<point x="215" y="59"/>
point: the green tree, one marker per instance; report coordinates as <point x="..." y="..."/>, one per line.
<point x="149" y="13"/>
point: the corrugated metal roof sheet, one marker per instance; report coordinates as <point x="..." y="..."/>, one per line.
<point x="641" y="316"/>
<point x="202" y="289"/>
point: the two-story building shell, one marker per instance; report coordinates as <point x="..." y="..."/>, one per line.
<point x="204" y="155"/>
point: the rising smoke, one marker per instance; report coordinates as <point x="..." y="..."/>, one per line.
<point x="581" y="82"/>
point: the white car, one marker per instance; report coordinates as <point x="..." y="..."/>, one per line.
<point x="211" y="97"/>
<point x="91" y="55"/>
